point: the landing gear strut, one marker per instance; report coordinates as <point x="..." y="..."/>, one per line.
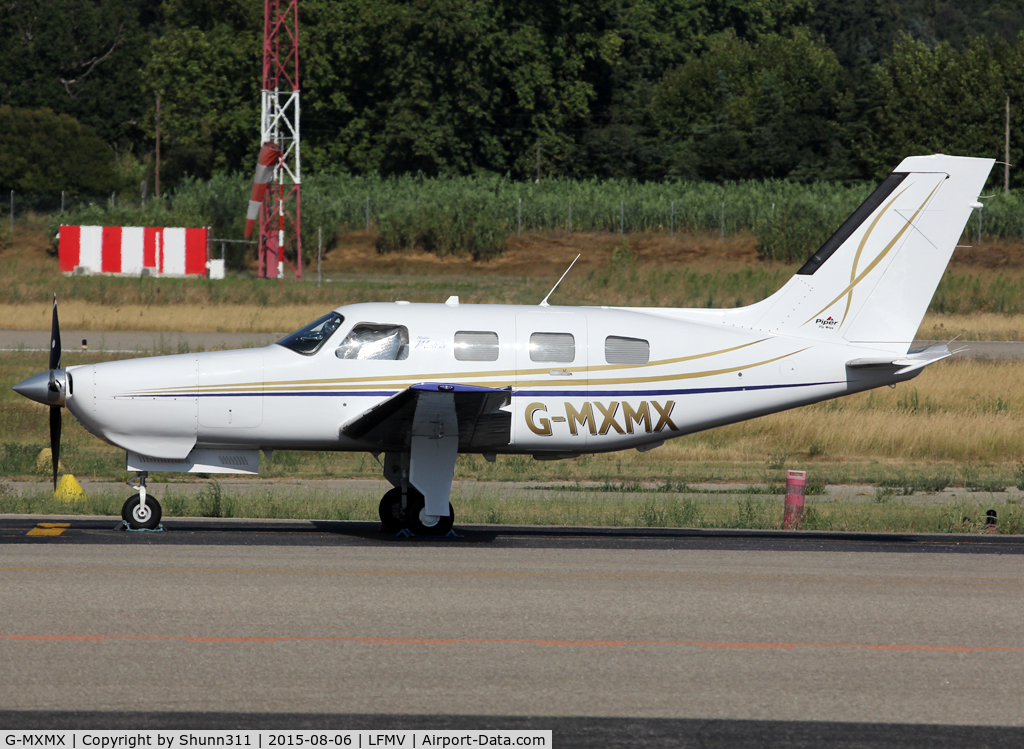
<point x="409" y="513"/>
<point x="141" y="511"/>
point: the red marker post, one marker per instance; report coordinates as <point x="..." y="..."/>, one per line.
<point x="796" y="485"/>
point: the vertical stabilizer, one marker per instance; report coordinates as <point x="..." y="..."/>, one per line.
<point x="873" y="280"/>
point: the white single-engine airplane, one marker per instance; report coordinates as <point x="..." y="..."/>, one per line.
<point x="424" y="382"/>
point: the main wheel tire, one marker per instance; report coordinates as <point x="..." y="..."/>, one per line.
<point x="138" y="517"/>
<point x="416" y="525"/>
<point x="390" y="511"/>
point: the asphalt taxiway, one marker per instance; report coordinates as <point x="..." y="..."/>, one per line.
<point x="611" y="637"/>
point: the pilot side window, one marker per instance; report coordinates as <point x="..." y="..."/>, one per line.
<point x="308" y="340"/>
<point x="552" y="347"/>
<point x="619" y="350"/>
<point x="476" y="345"/>
<point x="375" y="341"/>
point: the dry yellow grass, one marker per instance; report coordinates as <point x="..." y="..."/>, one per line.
<point x="241" y="318"/>
<point x="960" y="410"/>
<point x="980" y="326"/>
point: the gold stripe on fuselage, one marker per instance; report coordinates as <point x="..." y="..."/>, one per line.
<point x="568" y="384"/>
<point x="404" y="380"/>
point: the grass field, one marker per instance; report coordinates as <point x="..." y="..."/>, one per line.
<point x="675" y="507"/>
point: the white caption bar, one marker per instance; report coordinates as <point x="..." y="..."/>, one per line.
<point x="177" y="739"/>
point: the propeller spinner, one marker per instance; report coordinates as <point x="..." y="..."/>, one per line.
<point x="49" y="388"/>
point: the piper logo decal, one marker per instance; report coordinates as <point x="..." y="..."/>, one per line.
<point x="826" y="323"/>
<point x="652" y="416"/>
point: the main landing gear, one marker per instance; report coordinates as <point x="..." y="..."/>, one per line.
<point x="141" y="511"/>
<point x="411" y="517"/>
<point x="405" y="507"/>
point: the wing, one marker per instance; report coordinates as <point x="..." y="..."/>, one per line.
<point x="437" y="409"/>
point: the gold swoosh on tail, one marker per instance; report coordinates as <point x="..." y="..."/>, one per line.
<point x="876" y="261"/>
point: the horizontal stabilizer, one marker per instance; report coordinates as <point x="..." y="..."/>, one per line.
<point x="473" y="412"/>
<point x="909" y="362"/>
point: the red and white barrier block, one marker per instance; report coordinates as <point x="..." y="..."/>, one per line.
<point x="133" y="250"/>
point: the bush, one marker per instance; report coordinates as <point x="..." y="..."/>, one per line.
<point x="44" y="153"/>
<point x="470" y="227"/>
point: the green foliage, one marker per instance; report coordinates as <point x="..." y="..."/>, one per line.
<point x="207" y="125"/>
<point x="670" y="513"/>
<point x="18" y="459"/>
<point x="78" y="57"/>
<point x="911" y="402"/>
<point x="928" y="99"/>
<point x="340" y="200"/>
<point x="212" y="503"/>
<point x="448" y="86"/>
<point x="642" y="89"/>
<point x="757" y="513"/>
<point x="45" y="153"/>
<point x="862" y="32"/>
<point x="475" y="214"/>
<point x="907" y="484"/>
<point x="765" y="111"/>
<point x="472" y="227"/>
<point x="793" y="231"/>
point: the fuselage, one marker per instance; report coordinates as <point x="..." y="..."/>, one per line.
<point x="581" y="379"/>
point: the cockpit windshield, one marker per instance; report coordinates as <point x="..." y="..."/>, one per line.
<point x="308" y="340"/>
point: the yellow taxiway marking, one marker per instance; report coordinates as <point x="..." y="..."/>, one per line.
<point x="49" y="529"/>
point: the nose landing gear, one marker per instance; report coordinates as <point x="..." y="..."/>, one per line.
<point x="141" y="511"/>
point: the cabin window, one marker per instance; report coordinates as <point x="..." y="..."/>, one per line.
<point x="310" y="339"/>
<point x="375" y="341"/>
<point x="476" y="345"/>
<point x="552" y="347"/>
<point x="619" y="350"/>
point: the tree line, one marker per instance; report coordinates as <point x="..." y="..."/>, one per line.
<point x="648" y="90"/>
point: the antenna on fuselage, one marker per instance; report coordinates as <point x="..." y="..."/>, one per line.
<point x="545" y="302"/>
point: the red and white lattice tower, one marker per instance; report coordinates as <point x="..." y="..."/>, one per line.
<point x="280" y="215"/>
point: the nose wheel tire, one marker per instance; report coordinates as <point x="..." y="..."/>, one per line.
<point x="393" y="518"/>
<point x="138" y="517"/>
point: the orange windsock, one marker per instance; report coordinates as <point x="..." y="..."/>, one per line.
<point x="270" y="157"/>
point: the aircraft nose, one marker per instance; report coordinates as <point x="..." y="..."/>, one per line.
<point x="37" y="388"/>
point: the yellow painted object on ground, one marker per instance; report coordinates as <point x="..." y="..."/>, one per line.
<point x="69" y="490"/>
<point x="44" y="463"/>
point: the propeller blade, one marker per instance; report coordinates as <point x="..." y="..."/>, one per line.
<point x="270" y="156"/>
<point x="55" y="350"/>
<point x="55" y="419"/>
